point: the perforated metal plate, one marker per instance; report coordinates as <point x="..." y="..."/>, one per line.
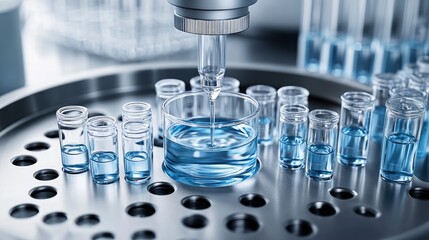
<point x="39" y="201"/>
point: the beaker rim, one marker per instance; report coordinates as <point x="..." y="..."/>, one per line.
<point x="233" y="122"/>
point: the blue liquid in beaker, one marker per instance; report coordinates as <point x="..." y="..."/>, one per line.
<point x="137" y="167"/>
<point x="353" y="147"/>
<point x="397" y="156"/>
<point x="74" y="158"/>
<point x="190" y="158"/>
<point x="320" y="162"/>
<point x="104" y="167"/>
<point x="292" y="151"/>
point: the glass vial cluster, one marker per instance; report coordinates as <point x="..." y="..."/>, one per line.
<point x="71" y="131"/>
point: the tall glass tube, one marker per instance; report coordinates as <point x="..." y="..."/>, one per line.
<point x="293" y="136"/>
<point x="404" y="118"/>
<point x="321" y="144"/>
<point x="103" y="147"/>
<point x="71" y="131"/>
<point x="266" y="97"/>
<point x="137" y="141"/>
<point x="310" y="37"/>
<point x="356" y="113"/>
<point x="382" y="83"/>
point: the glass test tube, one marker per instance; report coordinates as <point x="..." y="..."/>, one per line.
<point x="266" y="97"/>
<point x="360" y="48"/>
<point x="404" y="118"/>
<point x="420" y="96"/>
<point x="137" y="141"/>
<point x="356" y="113"/>
<point x="165" y="89"/>
<point x="293" y="136"/>
<point x="71" y="131"/>
<point x="103" y="148"/>
<point x="229" y="84"/>
<point x="381" y="85"/>
<point x="321" y="144"/>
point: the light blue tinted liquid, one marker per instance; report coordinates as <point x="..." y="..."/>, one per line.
<point x="266" y="127"/>
<point x="292" y="151"/>
<point x="424" y="136"/>
<point x="138" y="167"/>
<point x="353" y="145"/>
<point x="190" y="158"/>
<point x="412" y="50"/>
<point x="74" y="158"/>
<point x="312" y="50"/>
<point x="392" y="58"/>
<point x="362" y="62"/>
<point x="337" y="55"/>
<point x="104" y="167"/>
<point x="320" y="162"/>
<point x="397" y="157"/>
<point x="377" y="123"/>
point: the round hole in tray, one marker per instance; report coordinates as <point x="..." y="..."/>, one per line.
<point x="103" y="236"/>
<point x="366" y="212"/>
<point x="253" y="200"/>
<point x="119" y="118"/>
<point x="43" y="192"/>
<point x="95" y="114"/>
<point x="419" y="193"/>
<point x="242" y="223"/>
<point x="300" y="228"/>
<point x="24" y="211"/>
<point x="342" y="193"/>
<point x="37" y="146"/>
<point x="46" y="174"/>
<point x="23" y="161"/>
<point x="323" y="209"/>
<point x="52" y="134"/>
<point x="143" y="235"/>
<point x="158" y="142"/>
<point x="161" y="188"/>
<point x="196" y="202"/>
<point x="141" y="209"/>
<point x="87" y="220"/>
<point x="195" y="221"/>
<point x="55" y="218"/>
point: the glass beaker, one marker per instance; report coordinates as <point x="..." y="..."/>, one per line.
<point x="191" y="158"/>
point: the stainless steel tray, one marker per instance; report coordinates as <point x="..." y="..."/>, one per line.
<point x="39" y="201"/>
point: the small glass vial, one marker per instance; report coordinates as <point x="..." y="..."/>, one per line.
<point x="321" y="143"/>
<point x="292" y="95"/>
<point x="71" y="129"/>
<point x="356" y="113"/>
<point x="103" y="148"/>
<point x="165" y="89"/>
<point x="424" y="136"/>
<point x="137" y="141"/>
<point x="404" y="118"/>
<point x="293" y="136"/>
<point x="381" y="85"/>
<point x="229" y="84"/>
<point x="266" y="96"/>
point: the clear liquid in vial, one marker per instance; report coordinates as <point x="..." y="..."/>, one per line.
<point x="74" y="158"/>
<point x="104" y="167"/>
<point x="292" y="151"/>
<point x="353" y="146"/>
<point x="397" y="157"/>
<point x="137" y="167"/>
<point x="320" y="162"/>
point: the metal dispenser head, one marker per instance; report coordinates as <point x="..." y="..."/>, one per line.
<point x="211" y="17"/>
